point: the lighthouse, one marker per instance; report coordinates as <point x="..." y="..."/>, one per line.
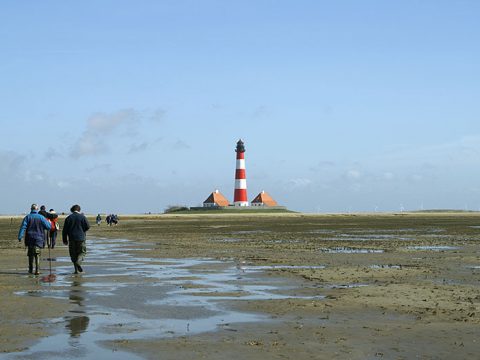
<point x="240" y="195"/>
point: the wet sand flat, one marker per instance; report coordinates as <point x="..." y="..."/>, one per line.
<point x="258" y="287"/>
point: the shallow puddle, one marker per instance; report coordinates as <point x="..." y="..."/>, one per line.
<point x="433" y="248"/>
<point x="125" y="297"/>
<point x="386" y="267"/>
<point x="346" y="286"/>
<point x="347" y="250"/>
<point x="378" y="235"/>
<point x="251" y="232"/>
<point x="247" y="268"/>
<point x="371" y="237"/>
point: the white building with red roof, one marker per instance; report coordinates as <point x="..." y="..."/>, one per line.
<point x="263" y="199"/>
<point x="216" y="199"/>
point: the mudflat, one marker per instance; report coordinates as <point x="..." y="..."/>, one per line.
<point x="251" y="286"/>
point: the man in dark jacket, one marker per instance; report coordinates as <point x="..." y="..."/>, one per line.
<point x="34" y="226"/>
<point x="74" y="235"/>
<point x="43" y="211"/>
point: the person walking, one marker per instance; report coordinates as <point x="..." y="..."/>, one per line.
<point x="33" y="227"/>
<point x="98" y="219"/>
<point x="52" y="236"/>
<point x="74" y="235"/>
<point x="52" y="217"/>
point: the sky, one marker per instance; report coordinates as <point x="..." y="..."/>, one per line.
<point x="344" y="106"/>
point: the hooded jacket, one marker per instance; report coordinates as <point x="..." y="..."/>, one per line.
<point x="33" y="226"/>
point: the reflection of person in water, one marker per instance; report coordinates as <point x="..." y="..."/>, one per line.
<point x="78" y="324"/>
<point x="77" y="294"/>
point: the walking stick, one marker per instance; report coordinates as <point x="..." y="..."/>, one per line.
<point x="50" y="262"/>
<point x="50" y="277"/>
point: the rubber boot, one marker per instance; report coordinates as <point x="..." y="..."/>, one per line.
<point x="37" y="265"/>
<point x="30" y="264"/>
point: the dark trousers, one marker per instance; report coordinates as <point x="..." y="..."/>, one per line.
<point x="52" y="238"/>
<point x="33" y="253"/>
<point x="77" y="250"/>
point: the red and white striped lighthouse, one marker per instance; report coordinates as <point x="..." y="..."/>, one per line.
<point x="240" y="195"/>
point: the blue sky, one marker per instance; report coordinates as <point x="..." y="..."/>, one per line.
<point x="131" y="106"/>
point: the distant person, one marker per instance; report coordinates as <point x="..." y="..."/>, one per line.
<point x="52" y="236"/>
<point x="112" y="219"/>
<point x="74" y="235"/>
<point x="51" y="217"/>
<point x="98" y="219"/>
<point x="34" y="226"/>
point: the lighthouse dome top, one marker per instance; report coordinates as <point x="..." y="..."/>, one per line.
<point x="240" y="146"/>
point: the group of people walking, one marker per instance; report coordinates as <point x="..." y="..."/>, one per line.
<point x="40" y="228"/>
<point x="111" y="219"/>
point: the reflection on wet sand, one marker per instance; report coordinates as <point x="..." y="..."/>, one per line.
<point x="132" y="298"/>
<point x="78" y="324"/>
<point x="77" y="292"/>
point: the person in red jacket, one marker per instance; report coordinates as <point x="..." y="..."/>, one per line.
<point x="50" y="216"/>
<point x="52" y="236"/>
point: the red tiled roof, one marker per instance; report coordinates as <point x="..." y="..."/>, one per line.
<point x="217" y="198"/>
<point x="265" y="199"/>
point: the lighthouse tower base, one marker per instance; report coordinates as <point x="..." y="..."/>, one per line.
<point x="241" y="203"/>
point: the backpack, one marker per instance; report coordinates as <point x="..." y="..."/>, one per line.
<point x="55" y="226"/>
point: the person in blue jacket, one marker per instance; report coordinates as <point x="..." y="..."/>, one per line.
<point x="33" y="227"/>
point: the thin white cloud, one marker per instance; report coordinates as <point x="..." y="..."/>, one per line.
<point x="138" y="147"/>
<point x="463" y="150"/>
<point x="88" y="144"/>
<point x="63" y="184"/>
<point x="180" y="145"/>
<point x="416" y="177"/>
<point x="10" y="162"/>
<point x="322" y="166"/>
<point x="100" y="129"/>
<point x="388" y="176"/>
<point x="99" y="126"/>
<point x="353" y="174"/>
<point x="100" y="167"/>
<point x="260" y="111"/>
<point x="107" y="123"/>
<point x="299" y="183"/>
<point x="158" y="115"/>
<point x="52" y="153"/>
